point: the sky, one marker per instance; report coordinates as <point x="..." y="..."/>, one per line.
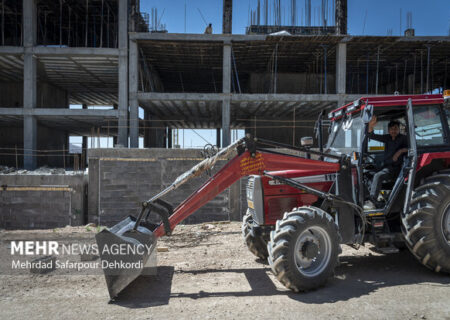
<point x="368" y="17"/>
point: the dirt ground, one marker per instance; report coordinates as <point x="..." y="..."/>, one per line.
<point x="208" y="273"/>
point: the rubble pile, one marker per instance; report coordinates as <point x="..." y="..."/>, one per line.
<point x="45" y="170"/>
<point x="6" y="169"/>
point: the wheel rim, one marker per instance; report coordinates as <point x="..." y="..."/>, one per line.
<point x="312" y="251"/>
<point x="446" y="225"/>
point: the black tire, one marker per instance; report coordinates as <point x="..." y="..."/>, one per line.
<point x="426" y="233"/>
<point x="256" y="244"/>
<point x="290" y="246"/>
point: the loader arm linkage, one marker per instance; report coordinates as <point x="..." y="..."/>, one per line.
<point x="248" y="162"/>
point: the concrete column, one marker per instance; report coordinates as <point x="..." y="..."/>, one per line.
<point x="341" y="17"/>
<point x="123" y="73"/>
<point x="134" y="123"/>
<point x="226" y="79"/>
<point x="218" y="137"/>
<point x="169" y="138"/>
<point x="29" y="84"/>
<point x="29" y="23"/>
<point x="411" y="84"/>
<point x="29" y="142"/>
<point x="133" y="59"/>
<point x="146" y="129"/>
<point x="227" y="16"/>
<point x="84" y="147"/>
<point x="341" y="68"/>
<point x="29" y="81"/>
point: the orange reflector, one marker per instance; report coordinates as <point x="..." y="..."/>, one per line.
<point x="446" y="93"/>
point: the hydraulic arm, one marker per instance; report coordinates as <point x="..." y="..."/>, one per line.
<point x="247" y="162"/>
<point x="138" y="231"/>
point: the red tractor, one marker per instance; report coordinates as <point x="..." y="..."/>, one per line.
<point x="301" y="208"/>
<point x="299" y="231"/>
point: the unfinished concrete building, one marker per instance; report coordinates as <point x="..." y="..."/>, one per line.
<point x="55" y="54"/>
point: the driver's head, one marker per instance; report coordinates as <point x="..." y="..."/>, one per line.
<point x="394" y="128"/>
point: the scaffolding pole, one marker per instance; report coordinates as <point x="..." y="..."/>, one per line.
<point x="87" y="15"/>
<point x="421" y="71"/>
<point x="3" y="22"/>
<point x="60" y="22"/>
<point x="367" y="74"/>
<point x="378" y="69"/>
<point x="428" y="67"/>
<point x="404" y="77"/>
<point x="414" y="75"/>
<point x="101" y="26"/>
<point x="325" y="67"/>
<point x="70" y="28"/>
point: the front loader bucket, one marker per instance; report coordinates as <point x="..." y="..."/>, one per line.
<point x="125" y="253"/>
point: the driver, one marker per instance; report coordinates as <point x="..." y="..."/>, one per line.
<point x="395" y="145"/>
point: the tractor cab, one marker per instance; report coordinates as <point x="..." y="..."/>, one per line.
<point x="348" y="136"/>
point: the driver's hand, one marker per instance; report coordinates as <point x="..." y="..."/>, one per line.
<point x="372" y="123"/>
<point x="399" y="153"/>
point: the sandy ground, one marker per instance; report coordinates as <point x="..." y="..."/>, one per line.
<point x="208" y="273"/>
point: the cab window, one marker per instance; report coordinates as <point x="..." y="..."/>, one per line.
<point x="428" y="124"/>
<point x="447" y="114"/>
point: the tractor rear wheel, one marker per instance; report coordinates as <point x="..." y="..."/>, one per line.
<point x="427" y="225"/>
<point x="304" y="248"/>
<point x="256" y="244"/>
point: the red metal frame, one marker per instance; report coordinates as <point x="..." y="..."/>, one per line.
<point x="392" y="101"/>
<point x="238" y="167"/>
<point x="426" y="158"/>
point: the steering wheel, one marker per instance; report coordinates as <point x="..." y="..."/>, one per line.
<point x="370" y="156"/>
<point x="367" y="164"/>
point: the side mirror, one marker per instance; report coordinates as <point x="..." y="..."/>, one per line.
<point x="306" y="141"/>
<point x="368" y="113"/>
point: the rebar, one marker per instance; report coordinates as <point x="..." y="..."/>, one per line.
<point x="378" y="69"/>
<point x="87" y="24"/>
<point x="428" y="66"/>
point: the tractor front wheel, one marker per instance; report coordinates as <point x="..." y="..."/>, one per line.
<point x="256" y="244"/>
<point x="304" y="248"/>
<point x="427" y="225"/>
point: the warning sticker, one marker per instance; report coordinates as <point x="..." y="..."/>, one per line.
<point x="251" y="165"/>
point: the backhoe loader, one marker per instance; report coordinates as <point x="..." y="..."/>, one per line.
<point x="301" y="208"/>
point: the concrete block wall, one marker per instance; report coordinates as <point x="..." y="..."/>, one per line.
<point x="42" y="201"/>
<point x="120" y="179"/>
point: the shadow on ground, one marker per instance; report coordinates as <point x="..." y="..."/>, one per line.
<point x="355" y="277"/>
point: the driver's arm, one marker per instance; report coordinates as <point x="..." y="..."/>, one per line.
<point x="373" y="136"/>
<point x="399" y="153"/>
<point x="403" y="149"/>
